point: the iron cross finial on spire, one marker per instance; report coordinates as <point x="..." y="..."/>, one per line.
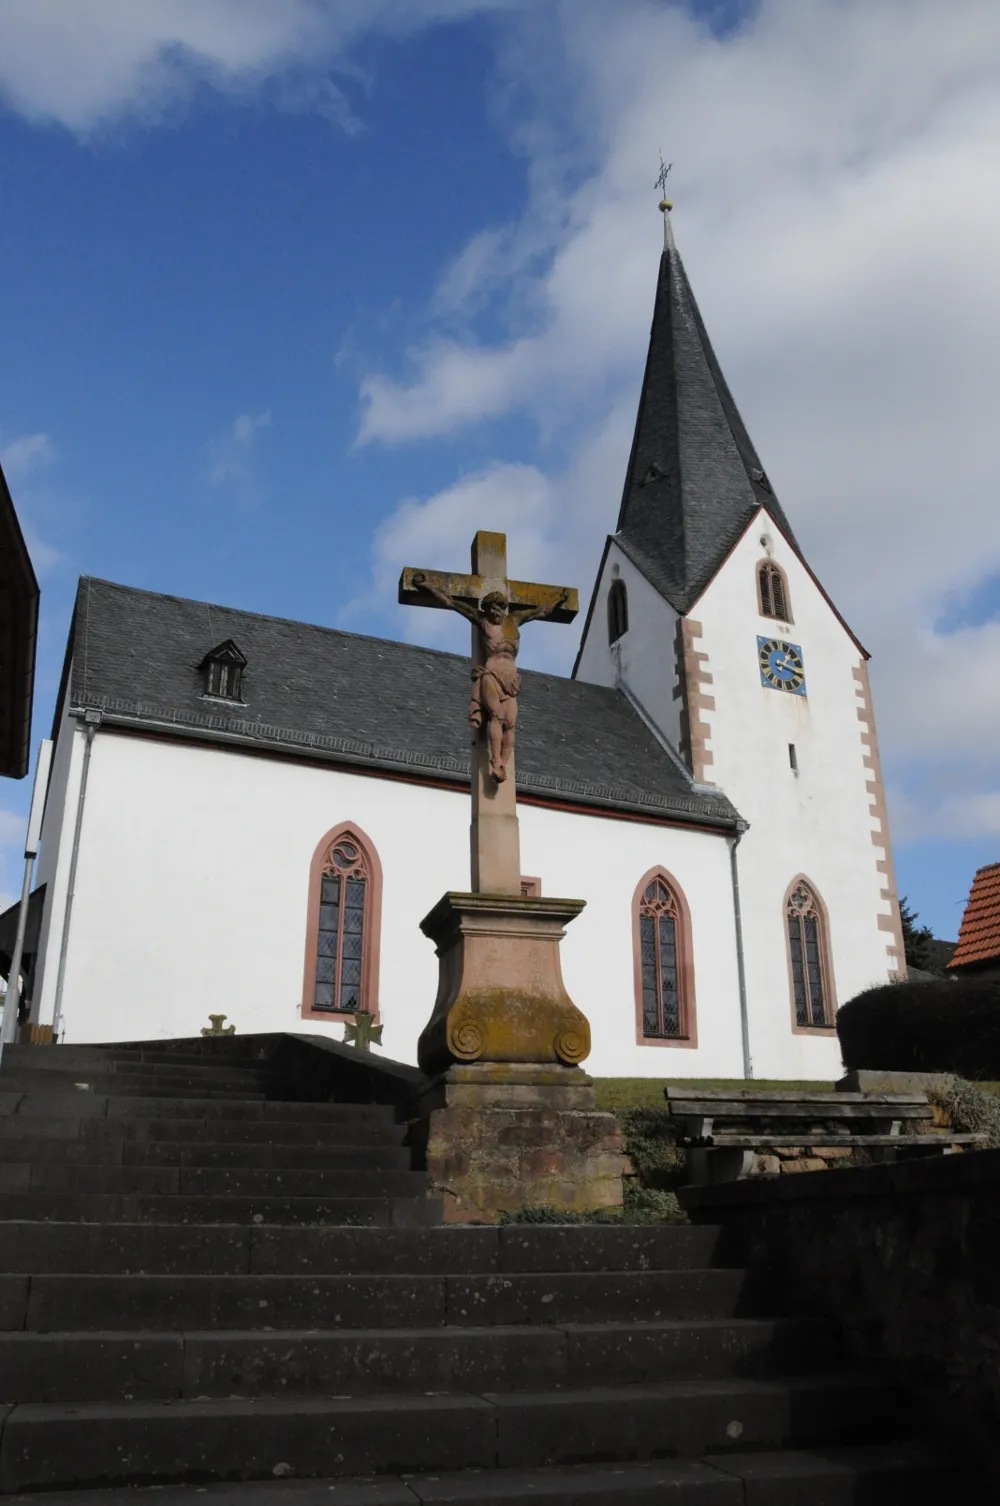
<point x="665" y="204"/>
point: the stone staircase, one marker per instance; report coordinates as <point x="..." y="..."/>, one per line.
<point x="213" y="1289"/>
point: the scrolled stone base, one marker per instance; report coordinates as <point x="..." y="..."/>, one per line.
<point x="501" y="996"/>
<point x="496" y="1138"/>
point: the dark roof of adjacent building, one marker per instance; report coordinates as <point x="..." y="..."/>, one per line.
<point x="940" y="953"/>
<point x="361" y="701"/>
<point x="18" y="635"/>
<point x="979" y="934"/>
<point x="694" y="480"/>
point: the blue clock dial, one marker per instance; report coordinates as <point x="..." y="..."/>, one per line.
<point x="781" y="666"/>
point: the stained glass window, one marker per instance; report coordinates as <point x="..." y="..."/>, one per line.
<point x="807" y="949"/>
<point x="659" y="921"/>
<point x="341" y="936"/>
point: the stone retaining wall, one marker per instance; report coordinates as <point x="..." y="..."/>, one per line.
<point x="906" y="1259"/>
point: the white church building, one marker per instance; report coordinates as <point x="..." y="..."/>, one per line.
<point x="251" y="816"/>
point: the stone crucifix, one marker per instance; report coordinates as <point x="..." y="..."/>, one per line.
<point x="497" y="608"/>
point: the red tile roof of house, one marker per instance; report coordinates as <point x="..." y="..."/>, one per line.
<point x="979" y="937"/>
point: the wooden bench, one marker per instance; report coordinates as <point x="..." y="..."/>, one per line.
<point x="723" y="1131"/>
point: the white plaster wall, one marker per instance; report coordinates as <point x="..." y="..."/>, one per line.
<point x="54" y="855"/>
<point x="192" y="893"/>
<point x="817" y="822"/>
<point x="646" y="653"/>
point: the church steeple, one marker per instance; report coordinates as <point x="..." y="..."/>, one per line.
<point x="694" y="479"/>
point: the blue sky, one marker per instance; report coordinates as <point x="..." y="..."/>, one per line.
<point x="296" y="289"/>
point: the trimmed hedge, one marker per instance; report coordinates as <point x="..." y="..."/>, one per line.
<point x="946" y="1026"/>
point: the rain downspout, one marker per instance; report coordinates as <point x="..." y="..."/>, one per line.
<point x="92" y="720"/>
<point x="734" y="842"/>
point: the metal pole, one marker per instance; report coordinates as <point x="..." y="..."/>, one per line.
<point x="93" y="721"/>
<point x="742" y="826"/>
<point x="8" y="1027"/>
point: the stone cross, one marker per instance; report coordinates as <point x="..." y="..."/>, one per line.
<point x="216" y="1027"/>
<point x="496" y="607"/>
<point x="362" y="1033"/>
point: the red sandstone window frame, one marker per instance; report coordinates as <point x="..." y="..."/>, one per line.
<point x="531" y="887"/>
<point x="765" y="594"/>
<point x="825" y="960"/>
<point x="687" y="1039"/>
<point x="371" y="934"/>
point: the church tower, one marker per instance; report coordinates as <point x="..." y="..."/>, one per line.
<point x="711" y="622"/>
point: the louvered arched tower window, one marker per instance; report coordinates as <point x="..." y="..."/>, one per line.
<point x="809" y="962"/>
<point x="664" y="974"/>
<point x="342" y="936"/>
<point x="617" y="610"/>
<point x="772" y="592"/>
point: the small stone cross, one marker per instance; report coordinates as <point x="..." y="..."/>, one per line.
<point x="363" y="1032"/>
<point x="216" y="1026"/>
<point x="497" y="608"/>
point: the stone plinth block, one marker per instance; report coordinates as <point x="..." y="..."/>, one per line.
<point x="501" y="996"/>
<point x="497" y="1137"/>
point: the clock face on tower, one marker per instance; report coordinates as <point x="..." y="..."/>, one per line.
<point x="781" y="665"/>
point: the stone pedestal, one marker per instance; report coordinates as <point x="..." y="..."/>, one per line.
<point x="496" y="1137"/>
<point x="501" y="996"/>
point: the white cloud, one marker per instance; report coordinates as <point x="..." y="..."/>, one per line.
<point x="28" y="453"/>
<point x="85" y="63"/>
<point x="230" y="462"/>
<point x="247" y="425"/>
<point x="834" y="181"/>
<point x="532" y="508"/>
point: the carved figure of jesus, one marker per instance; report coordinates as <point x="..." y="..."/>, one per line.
<point x="496" y="683"/>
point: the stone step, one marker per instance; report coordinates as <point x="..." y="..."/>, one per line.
<point x="156" y="1208"/>
<point x="59" y="1444"/>
<point x="138" y="1072"/>
<point x="235" y="1249"/>
<point x="894" y="1474"/>
<point x="881" y="1476"/>
<point x="81" y="1103"/>
<point x="208" y="1181"/>
<point x="160" y="1366"/>
<point x="46" y="1303"/>
<point x="40" y="1150"/>
<point x="122" y="1087"/>
<point x="327" y="1157"/>
<point x="343" y="1131"/>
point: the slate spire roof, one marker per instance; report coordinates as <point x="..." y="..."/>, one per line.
<point x="694" y="479"/>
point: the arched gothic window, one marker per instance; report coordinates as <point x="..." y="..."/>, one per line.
<point x="617" y="610"/>
<point x="809" y="958"/>
<point x="664" y="973"/>
<point x="772" y="592"/>
<point x="342" y="937"/>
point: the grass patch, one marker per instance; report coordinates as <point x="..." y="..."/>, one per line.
<point x="616" y="1093"/>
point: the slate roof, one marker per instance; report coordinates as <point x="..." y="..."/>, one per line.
<point x="363" y="701"/>
<point x="979" y="935"/>
<point x="694" y="479"/>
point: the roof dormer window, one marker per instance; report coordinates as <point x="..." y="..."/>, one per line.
<point x="223" y="670"/>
